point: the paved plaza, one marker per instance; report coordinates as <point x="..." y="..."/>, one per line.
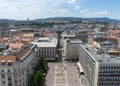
<point x="62" y="74"/>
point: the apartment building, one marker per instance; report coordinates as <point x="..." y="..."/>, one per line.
<point x="82" y="35"/>
<point x="100" y="69"/>
<point x="72" y="49"/>
<point x="118" y="42"/>
<point x="17" y="65"/>
<point x="65" y="37"/>
<point x="100" y="36"/>
<point x="47" y="47"/>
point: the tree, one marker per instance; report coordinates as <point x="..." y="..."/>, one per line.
<point x="37" y="78"/>
<point x="43" y="64"/>
<point x="1" y="49"/>
<point x="32" y="80"/>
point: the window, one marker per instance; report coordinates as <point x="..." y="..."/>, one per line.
<point x="2" y="71"/>
<point x="32" y="68"/>
<point x="15" y="76"/>
<point x="9" y="82"/>
<point x="2" y="76"/>
<point x="3" y="82"/>
<point x="15" y="70"/>
<point x="9" y="70"/>
<point x="16" y="81"/>
<point x="9" y="77"/>
<point x="2" y="63"/>
<point x="19" y="75"/>
<point x="9" y="63"/>
<point x="19" y="69"/>
<point x="27" y="70"/>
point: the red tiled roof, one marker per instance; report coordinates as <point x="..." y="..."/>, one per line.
<point x="14" y="58"/>
<point x="7" y="58"/>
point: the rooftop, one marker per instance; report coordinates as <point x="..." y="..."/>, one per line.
<point x="100" y="34"/>
<point x="46" y="42"/>
<point x="100" y="57"/>
<point x="70" y="34"/>
<point x="14" y="55"/>
<point x="28" y="35"/>
<point x="75" y="41"/>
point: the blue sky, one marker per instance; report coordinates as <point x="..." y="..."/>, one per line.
<point x="33" y="9"/>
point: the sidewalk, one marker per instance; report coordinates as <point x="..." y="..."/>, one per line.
<point x="83" y="79"/>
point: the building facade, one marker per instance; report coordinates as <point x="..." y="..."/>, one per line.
<point x="100" y="69"/>
<point x="82" y="35"/>
<point x="72" y="49"/>
<point x="47" y="47"/>
<point x="16" y="67"/>
<point x="65" y="37"/>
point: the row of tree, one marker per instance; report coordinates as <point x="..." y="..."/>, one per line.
<point x="38" y="77"/>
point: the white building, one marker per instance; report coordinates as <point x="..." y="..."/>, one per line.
<point x="100" y="69"/>
<point x="16" y="66"/>
<point x="47" y="47"/>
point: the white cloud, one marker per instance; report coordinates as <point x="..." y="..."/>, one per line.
<point x="64" y="11"/>
<point x="22" y="9"/>
<point x="100" y="13"/>
<point x="77" y="7"/>
<point x="71" y="1"/>
<point x="59" y="12"/>
<point x="85" y="10"/>
<point x="117" y="17"/>
<point x="91" y="13"/>
<point x="96" y="13"/>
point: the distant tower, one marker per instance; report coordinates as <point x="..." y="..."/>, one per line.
<point x="28" y="19"/>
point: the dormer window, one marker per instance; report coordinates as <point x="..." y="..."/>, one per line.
<point x="3" y="62"/>
<point x="9" y="62"/>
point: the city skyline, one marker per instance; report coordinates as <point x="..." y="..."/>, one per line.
<point x="33" y="9"/>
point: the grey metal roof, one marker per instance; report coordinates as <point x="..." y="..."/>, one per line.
<point x="3" y="46"/>
<point x="102" y="58"/>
